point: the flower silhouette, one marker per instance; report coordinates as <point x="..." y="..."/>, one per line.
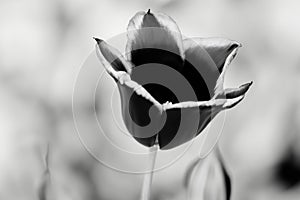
<point x="152" y="112"/>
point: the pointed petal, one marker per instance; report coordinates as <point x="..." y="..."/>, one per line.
<point x="230" y="93"/>
<point x="200" y="70"/>
<point x="142" y="114"/>
<point x="220" y="82"/>
<point x="112" y="59"/>
<point x="216" y="103"/>
<point x="221" y="52"/>
<point x="186" y="120"/>
<point x="153" y="36"/>
<point x="218" y="49"/>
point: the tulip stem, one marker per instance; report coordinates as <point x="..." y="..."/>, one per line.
<point x="149" y="175"/>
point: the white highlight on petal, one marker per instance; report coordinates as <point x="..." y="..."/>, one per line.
<point x="214" y="103"/>
<point x="214" y="41"/>
<point x="134" y="24"/>
<point x="140" y="90"/>
<point x="169" y="24"/>
<point x="220" y="81"/>
<point x="136" y="21"/>
<point x="212" y="46"/>
<point x="107" y="65"/>
<point x="123" y="77"/>
<point x="166" y="23"/>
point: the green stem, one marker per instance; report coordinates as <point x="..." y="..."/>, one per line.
<point x="149" y="175"/>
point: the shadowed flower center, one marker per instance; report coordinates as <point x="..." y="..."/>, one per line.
<point x="147" y="56"/>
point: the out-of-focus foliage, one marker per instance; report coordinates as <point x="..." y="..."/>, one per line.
<point x="42" y="46"/>
<point x="208" y="178"/>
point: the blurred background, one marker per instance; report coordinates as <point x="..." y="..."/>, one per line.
<point x="44" y="43"/>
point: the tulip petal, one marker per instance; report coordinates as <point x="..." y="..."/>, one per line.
<point x="191" y="118"/>
<point x="199" y="69"/>
<point x="112" y="59"/>
<point x="218" y="49"/>
<point x="142" y="114"/>
<point x="152" y="36"/>
<point x="221" y="52"/>
<point x="230" y="93"/>
<point x="204" y="104"/>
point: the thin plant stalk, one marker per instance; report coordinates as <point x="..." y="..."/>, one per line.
<point x="147" y="183"/>
<point x="189" y="187"/>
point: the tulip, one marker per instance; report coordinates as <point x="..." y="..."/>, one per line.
<point x="170" y="87"/>
<point x="151" y="112"/>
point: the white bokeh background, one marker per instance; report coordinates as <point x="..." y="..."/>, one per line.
<point x="44" y="43"/>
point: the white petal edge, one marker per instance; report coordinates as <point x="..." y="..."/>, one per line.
<point x="107" y="65"/>
<point x="140" y="90"/>
<point x="125" y="80"/>
<point x="167" y="23"/>
<point x="221" y="103"/>
<point x="213" y="41"/>
<point x="220" y="81"/>
<point x="173" y="29"/>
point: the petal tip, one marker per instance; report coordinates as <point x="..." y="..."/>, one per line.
<point x="246" y="85"/>
<point x="239" y="45"/>
<point x="234" y="47"/>
<point x="97" y="40"/>
<point x="235" y="92"/>
<point x="233" y="102"/>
